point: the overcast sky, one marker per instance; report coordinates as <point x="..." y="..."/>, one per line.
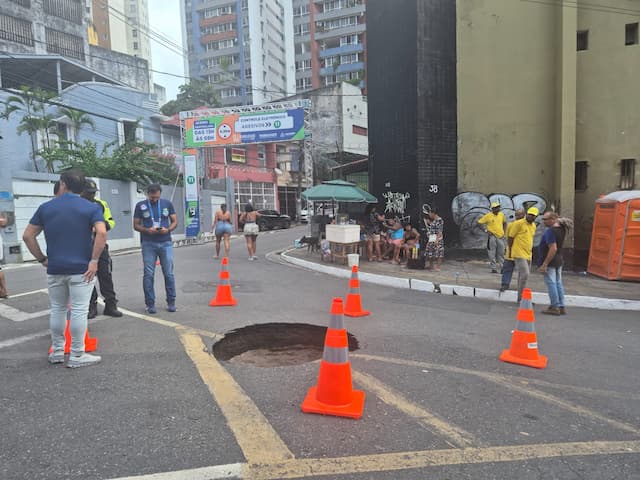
<point x="164" y="19"/>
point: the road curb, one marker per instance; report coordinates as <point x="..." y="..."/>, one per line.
<point x="510" y="296"/>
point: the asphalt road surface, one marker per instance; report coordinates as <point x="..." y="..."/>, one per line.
<point x="439" y="404"/>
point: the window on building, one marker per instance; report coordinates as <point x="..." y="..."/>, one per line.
<point x="129" y="131"/>
<point x="135" y="45"/>
<point x="134" y="33"/>
<point x="581" y="176"/>
<point x="583" y="40"/>
<point x="631" y="34"/>
<point x="64" y="43"/>
<point x="357" y="130"/>
<point x="302" y="65"/>
<point x="262" y="156"/>
<point x="627" y="173"/>
<point x="16" y="30"/>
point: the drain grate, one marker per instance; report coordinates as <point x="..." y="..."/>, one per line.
<point x="274" y="344"/>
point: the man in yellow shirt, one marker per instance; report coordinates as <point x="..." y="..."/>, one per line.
<point x="509" y="264"/>
<point x="495" y="223"/>
<point x="520" y="241"/>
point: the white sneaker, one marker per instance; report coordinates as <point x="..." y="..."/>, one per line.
<point x="56" y="357"/>
<point x="83" y="360"/>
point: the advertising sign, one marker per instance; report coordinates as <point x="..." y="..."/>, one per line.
<point x="244" y="128"/>
<point x="192" y="212"/>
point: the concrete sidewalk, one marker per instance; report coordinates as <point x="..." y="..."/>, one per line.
<point x="470" y="276"/>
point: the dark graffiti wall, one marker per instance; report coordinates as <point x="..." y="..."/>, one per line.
<point x="391" y="94"/>
<point x="412" y="104"/>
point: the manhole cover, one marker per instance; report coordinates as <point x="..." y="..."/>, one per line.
<point x="275" y="344"/>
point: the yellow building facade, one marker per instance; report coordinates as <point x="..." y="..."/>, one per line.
<point x="548" y="102"/>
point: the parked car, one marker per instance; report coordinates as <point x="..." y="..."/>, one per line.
<point x="270" y="219"/>
<point x="304" y="215"/>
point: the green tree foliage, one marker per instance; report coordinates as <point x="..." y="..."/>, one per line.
<point x="131" y="162"/>
<point x="78" y="120"/>
<point x="192" y="95"/>
<point x="34" y="119"/>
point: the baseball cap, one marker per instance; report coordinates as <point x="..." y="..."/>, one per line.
<point x="90" y="186"/>
<point x="533" y="211"/>
<point x="495" y="205"/>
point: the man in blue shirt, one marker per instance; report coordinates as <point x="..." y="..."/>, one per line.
<point x="551" y="262"/>
<point x="155" y="219"/>
<point x="71" y="261"/>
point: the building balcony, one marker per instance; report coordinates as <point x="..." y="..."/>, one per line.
<point x="322" y="34"/>
<point x="204" y="22"/>
<point x="339" y="13"/>
<point x="343" y="68"/>
<point x="343" y="50"/>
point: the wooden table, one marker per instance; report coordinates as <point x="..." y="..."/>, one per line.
<point x="341" y="250"/>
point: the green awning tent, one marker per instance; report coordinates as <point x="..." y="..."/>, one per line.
<point x="338" y="191"/>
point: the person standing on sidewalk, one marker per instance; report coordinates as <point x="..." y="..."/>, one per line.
<point x="520" y="243"/>
<point x="551" y="262"/>
<point x="71" y="262"/>
<point x="155" y="219"/>
<point x="509" y="264"/>
<point x="105" y="280"/>
<point x="495" y="224"/>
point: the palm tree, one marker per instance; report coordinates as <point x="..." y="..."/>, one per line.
<point x="78" y="119"/>
<point x="32" y="103"/>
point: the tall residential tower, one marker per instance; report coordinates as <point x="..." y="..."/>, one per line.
<point x="244" y="48"/>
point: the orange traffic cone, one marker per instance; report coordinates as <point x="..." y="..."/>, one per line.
<point x="223" y="296"/>
<point x="90" y="343"/>
<point x="334" y="394"/>
<point x="524" y="342"/>
<point x="353" y="307"/>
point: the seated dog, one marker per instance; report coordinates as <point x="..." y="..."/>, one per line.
<point x="313" y="243"/>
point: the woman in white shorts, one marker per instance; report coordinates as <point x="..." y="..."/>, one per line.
<point x="249" y="217"/>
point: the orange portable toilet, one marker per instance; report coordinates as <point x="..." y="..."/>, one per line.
<point x="615" y="239"/>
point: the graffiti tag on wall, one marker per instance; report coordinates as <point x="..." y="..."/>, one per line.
<point x="396" y="202"/>
<point x="468" y="207"/>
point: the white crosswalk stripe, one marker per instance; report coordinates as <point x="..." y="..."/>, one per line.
<point x="16" y="315"/>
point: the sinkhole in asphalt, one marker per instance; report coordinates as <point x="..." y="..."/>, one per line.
<point x="274" y="344"/>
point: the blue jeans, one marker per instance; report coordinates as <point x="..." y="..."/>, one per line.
<point x="553" y="280"/>
<point x="69" y="292"/>
<point x="507" y="273"/>
<point x="150" y="252"/>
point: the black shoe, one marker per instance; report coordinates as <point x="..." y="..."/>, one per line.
<point x="112" y="310"/>
<point x="494" y="271"/>
<point x="93" y="311"/>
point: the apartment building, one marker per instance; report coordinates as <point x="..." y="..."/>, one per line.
<point x="330" y="42"/>
<point x="55" y="35"/>
<point x="44" y="27"/>
<point x="245" y="48"/>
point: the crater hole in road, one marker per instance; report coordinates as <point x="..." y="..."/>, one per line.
<point x="275" y="344"/>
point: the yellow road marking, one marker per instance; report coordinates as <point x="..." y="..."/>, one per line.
<point x="258" y="440"/>
<point x="457" y="437"/>
<point x="387" y="462"/>
<point x="501" y="380"/>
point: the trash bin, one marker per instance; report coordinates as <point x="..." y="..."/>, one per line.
<point x="353" y="260"/>
<point x="615" y="239"/>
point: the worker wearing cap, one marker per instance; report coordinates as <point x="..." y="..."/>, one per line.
<point x="509" y="264"/>
<point x="104" y="262"/>
<point x="520" y="241"/>
<point x="495" y="225"/>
